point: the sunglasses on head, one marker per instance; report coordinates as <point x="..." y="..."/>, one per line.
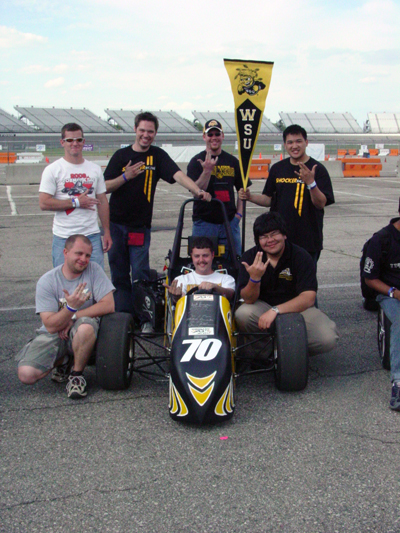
<point x="214" y="134"/>
<point x="72" y="139"/>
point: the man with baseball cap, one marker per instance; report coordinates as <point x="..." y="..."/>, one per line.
<point x="218" y="173"/>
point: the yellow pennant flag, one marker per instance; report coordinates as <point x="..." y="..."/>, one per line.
<point x="250" y="82"/>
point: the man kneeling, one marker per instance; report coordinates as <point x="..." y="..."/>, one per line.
<point x="70" y="299"/>
<point x="203" y="276"/>
<point x="279" y="277"/>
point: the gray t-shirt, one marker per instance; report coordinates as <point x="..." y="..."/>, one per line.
<point x="49" y="289"/>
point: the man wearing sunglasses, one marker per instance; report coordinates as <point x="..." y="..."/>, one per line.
<point x="218" y="173"/>
<point x="74" y="188"/>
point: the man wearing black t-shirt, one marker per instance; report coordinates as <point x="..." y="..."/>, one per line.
<point x="279" y="277"/>
<point x="218" y="173"/>
<point x="131" y="177"/>
<point x="381" y="272"/>
<point x="298" y="188"/>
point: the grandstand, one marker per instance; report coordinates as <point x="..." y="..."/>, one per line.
<point x="384" y="122"/>
<point x="169" y="121"/>
<point x="227" y="120"/>
<point x="10" y="124"/>
<point x="52" y="119"/>
<point x="323" y="122"/>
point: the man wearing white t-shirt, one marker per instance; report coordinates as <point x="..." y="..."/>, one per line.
<point x="74" y="188"/>
<point x="203" y="276"/>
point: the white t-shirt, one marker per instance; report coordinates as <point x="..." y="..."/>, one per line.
<point x="64" y="181"/>
<point x="188" y="281"/>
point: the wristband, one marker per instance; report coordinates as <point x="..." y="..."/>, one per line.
<point x="255" y="281"/>
<point x="312" y="185"/>
<point x="73" y="202"/>
<point x="77" y="204"/>
<point x="240" y="215"/>
<point x="391" y="292"/>
<point x="71" y="309"/>
<point x="123" y="175"/>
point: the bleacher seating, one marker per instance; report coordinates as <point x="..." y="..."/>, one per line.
<point x="323" y="122"/>
<point x="169" y="121"/>
<point x="227" y="120"/>
<point x="10" y="124"/>
<point x="384" y="122"/>
<point x="52" y="119"/>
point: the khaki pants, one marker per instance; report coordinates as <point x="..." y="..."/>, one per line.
<point x="321" y="330"/>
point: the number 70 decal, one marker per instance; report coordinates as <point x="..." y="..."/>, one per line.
<point x="202" y="349"/>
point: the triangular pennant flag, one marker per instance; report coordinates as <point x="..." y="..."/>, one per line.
<point x="250" y="82"/>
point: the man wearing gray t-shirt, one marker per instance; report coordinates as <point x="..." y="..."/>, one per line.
<point x="70" y="299"/>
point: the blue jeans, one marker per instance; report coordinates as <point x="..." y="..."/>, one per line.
<point x="206" y="229"/>
<point x="127" y="263"/>
<point x="57" y="251"/>
<point x="391" y="307"/>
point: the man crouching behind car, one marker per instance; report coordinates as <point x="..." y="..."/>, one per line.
<point x="70" y="299"/>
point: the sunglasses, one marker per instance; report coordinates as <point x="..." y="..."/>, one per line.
<point x="72" y="139"/>
<point x="215" y="134"/>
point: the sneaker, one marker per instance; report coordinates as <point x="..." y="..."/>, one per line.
<point x="61" y="373"/>
<point x="147" y="329"/>
<point x="76" y="387"/>
<point x="395" y="399"/>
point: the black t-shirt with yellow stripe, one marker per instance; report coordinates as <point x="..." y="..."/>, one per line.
<point x="292" y="200"/>
<point x="132" y="204"/>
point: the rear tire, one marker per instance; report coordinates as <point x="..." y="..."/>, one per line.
<point x="384" y="339"/>
<point x="115" y="351"/>
<point x="291" y="352"/>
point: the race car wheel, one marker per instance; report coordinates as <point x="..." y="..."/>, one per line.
<point x="115" y="351"/>
<point x="290" y="352"/>
<point x="384" y="339"/>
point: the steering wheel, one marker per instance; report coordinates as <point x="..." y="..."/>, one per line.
<point x="201" y="291"/>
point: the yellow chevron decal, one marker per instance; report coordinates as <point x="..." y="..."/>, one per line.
<point x="201" y="397"/>
<point x="222" y="408"/>
<point x="201" y="383"/>
<point x="177" y="402"/>
<point x="219" y="408"/>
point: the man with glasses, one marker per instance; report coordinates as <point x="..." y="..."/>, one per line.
<point x="74" y="188"/>
<point x="218" y="173"/>
<point x="279" y="277"/>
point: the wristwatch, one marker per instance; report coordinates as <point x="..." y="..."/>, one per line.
<point x="275" y="309"/>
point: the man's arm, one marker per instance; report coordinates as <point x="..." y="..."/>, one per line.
<point x="318" y="198"/>
<point x="251" y="292"/>
<point x="103" y="210"/>
<point x="208" y="166"/>
<point x="298" y="304"/>
<point x="207" y="285"/>
<point x="130" y="173"/>
<point x="47" y="202"/>
<point x="258" y="199"/>
<point x="190" y="185"/>
<point x="381" y="287"/>
<point x="55" y="322"/>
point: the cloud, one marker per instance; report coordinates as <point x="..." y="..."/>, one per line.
<point x="62" y="67"/>
<point x="11" y="38"/>
<point x="57" y="82"/>
<point x="35" y="69"/>
<point x="82" y="86"/>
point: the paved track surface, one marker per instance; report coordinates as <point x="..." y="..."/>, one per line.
<point x="322" y="460"/>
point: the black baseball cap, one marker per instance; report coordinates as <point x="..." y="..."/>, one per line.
<point x="212" y="125"/>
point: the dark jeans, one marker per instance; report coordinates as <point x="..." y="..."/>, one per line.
<point x="127" y="263"/>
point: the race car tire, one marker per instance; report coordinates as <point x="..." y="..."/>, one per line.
<point x="384" y="339"/>
<point x="290" y="352"/>
<point x="115" y="351"/>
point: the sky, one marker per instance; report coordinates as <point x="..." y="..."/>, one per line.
<point x="341" y="56"/>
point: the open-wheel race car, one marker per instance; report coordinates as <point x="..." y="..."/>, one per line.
<point x="196" y="345"/>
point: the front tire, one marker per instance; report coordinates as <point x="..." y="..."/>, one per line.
<point x="115" y="351"/>
<point x="290" y="352"/>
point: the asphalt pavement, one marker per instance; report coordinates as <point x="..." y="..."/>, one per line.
<point x="322" y="460"/>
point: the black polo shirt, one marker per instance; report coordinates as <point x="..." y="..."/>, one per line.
<point x="384" y="267"/>
<point x="294" y="274"/>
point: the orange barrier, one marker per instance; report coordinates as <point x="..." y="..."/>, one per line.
<point x="259" y="169"/>
<point x="7" y="157"/>
<point x="341" y="153"/>
<point x="373" y="151"/>
<point x="394" y="151"/>
<point x="361" y="167"/>
<point x="352" y="152"/>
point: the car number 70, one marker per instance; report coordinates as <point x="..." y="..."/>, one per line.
<point x="202" y="349"/>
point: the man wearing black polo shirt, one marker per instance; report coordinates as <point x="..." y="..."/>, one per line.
<point x="381" y="273"/>
<point x="298" y="188"/>
<point x="279" y="277"/>
<point x="218" y="173"/>
<point x="131" y="177"/>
